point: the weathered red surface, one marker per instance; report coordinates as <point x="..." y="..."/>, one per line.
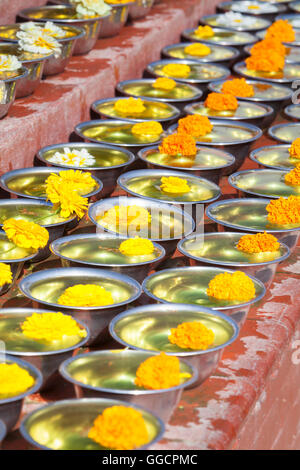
<point x="9" y="8"/>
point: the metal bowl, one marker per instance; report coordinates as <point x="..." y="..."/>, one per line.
<point x="258" y="114"/>
<point x="296" y="42"/>
<point x="208" y="163"/>
<point x="276" y="157"/>
<point x="293" y="112"/>
<point x="272" y="94"/>
<point x="140" y="9"/>
<point x="44" y="288"/>
<point x="168" y="222"/>
<point x="268" y="14"/>
<point x="10" y="408"/>
<point x="188" y="285"/>
<point x="45" y="357"/>
<point x="285" y="132"/>
<point x="219" y="249"/>
<point x="235" y="138"/>
<point x="258" y="23"/>
<point x="164" y="113"/>
<point x="64" y="425"/>
<point x="115" y="380"/>
<point x="147" y="328"/>
<point x="101" y="250"/>
<point x="289" y="74"/>
<point x="40" y="212"/>
<point x="31" y="183"/>
<point x="64" y="14"/>
<point x="2" y="432"/>
<point x="112" y="132"/>
<point x="293" y="18"/>
<point x="182" y="94"/>
<point x="219" y="54"/>
<point x="200" y="75"/>
<point x="250" y="215"/>
<point x="8" y="87"/>
<point x="294" y="6"/>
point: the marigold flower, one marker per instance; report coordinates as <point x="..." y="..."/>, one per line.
<point x="136" y="247"/>
<point x="120" y="428"/>
<point x="195" y="125"/>
<point x="231" y="286"/>
<point x="294" y="149"/>
<point x="293" y="177"/>
<point x="268" y="44"/>
<point x="158" y="372"/>
<point x="14" y="380"/>
<point x="178" y="144"/>
<point x="51" y="326"/>
<point x="174" y="185"/>
<point x="129" y="106"/>
<point x="5" y="274"/>
<point x="81" y="181"/>
<point x="66" y="199"/>
<point x="177" y="70"/>
<point x="192" y="335"/>
<point x="197" y="49"/>
<point x="221" y="102"/>
<point x="86" y="295"/>
<point x="284" y="211"/>
<point x="204" y="32"/>
<point x="281" y="30"/>
<point x="26" y="234"/>
<point x="164" y="83"/>
<point x="126" y="216"/>
<point x="147" y="128"/>
<point x="238" y="87"/>
<point x="265" y="61"/>
<point x="258" y="243"/>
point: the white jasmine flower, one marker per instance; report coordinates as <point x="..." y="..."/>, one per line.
<point x="9" y="63"/>
<point x="53" y="30"/>
<point x="38" y="42"/>
<point x="91" y="7"/>
<point x="235" y="20"/>
<point x="247" y="6"/>
<point x="73" y="157"/>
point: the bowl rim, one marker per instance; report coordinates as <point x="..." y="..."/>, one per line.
<point x="80" y="34"/>
<point x="21" y="310"/>
<point x="24" y="73"/>
<point x="256" y="151"/>
<point x="267" y="23"/>
<point x="25" y="14"/>
<point x="46" y="275"/>
<point x="42" y="57"/>
<point x="162" y="308"/>
<point x="283" y="80"/>
<point x="235" y="52"/>
<point x="272" y="129"/>
<point x="226" y="2"/>
<point x="81" y="401"/>
<point x="225" y="263"/>
<point x="63" y="370"/>
<point x="3" y="430"/>
<point x="15" y="260"/>
<point x="288" y="109"/>
<point x="268" y="111"/>
<point x="187" y="35"/>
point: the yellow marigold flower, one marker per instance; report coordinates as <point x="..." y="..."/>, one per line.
<point x="5" y="274"/>
<point x="81" y="181"/>
<point x="269" y="44"/>
<point x="129" y="106"/>
<point x="14" y="380"/>
<point x="294" y="149"/>
<point x="197" y="49"/>
<point x="174" y="185"/>
<point x="258" y="243"/>
<point x="147" y="128"/>
<point x="235" y="286"/>
<point x="51" y="326"/>
<point x="164" y="83"/>
<point x="192" y="335"/>
<point x="265" y="61"/>
<point x="86" y="295"/>
<point x="204" y="32"/>
<point x="126" y="216"/>
<point x="177" y="70"/>
<point x="158" y="372"/>
<point x="120" y="428"/>
<point x="284" y="211"/>
<point x="26" y="234"/>
<point x="238" y="87"/>
<point x="221" y="102"/>
<point x="136" y="247"/>
<point x="293" y="177"/>
<point x="195" y="125"/>
<point x="178" y="144"/>
<point x="67" y="199"/>
<point x="281" y="30"/>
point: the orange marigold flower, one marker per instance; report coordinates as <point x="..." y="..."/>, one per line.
<point x="294" y="149"/>
<point x="238" y="87"/>
<point x="267" y="45"/>
<point x="221" y="102"/>
<point x="192" y="335"/>
<point x="265" y="61"/>
<point x="178" y="144"/>
<point x="231" y="286"/>
<point x="164" y="83"/>
<point x="281" y="30"/>
<point x="293" y="177"/>
<point x="284" y="211"/>
<point x="157" y="372"/>
<point x="204" y="32"/>
<point x="197" y="49"/>
<point x="147" y="128"/>
<point x="258" y="243"/>
<point x="177" y="70"/>
<point x="195" y="125"/>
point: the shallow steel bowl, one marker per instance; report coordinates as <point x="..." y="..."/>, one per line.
<point x="289" y="74"/>
<point x="8" y="88"/>
<point x="293" y="110"/>
<point x="64" y="425"/>
<point x="273" y="9"/>
<point x="44" y="288"/>
<point x="115" y="380"/>
<point x="168" y="222"/>
<point x="250" y="215"/>
<point x="101" y="250"/>
<point x="258" y="23"/>
<point x="219" y="249"/>
<point x="147" y="328"/>
<point x="10" y="408"/>
<point x="2" y="432"/>
<point x="188" y="286"/>
<point x="285" y="132"/>
<point x="276" y="157"/>
<point x="45" y="357"/>
<point x="140" y="9"/>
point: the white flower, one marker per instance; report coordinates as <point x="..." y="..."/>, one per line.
<point x="73" y="157"/>
<point x="247" y="6"/>
<point x="9" y="63"/>
<point x="38" y="42"/>
<point x="30" y="27"/>
<point x="91" y="7"/>
<point x="235" y="20"/>
<point x="53" y="30"/>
